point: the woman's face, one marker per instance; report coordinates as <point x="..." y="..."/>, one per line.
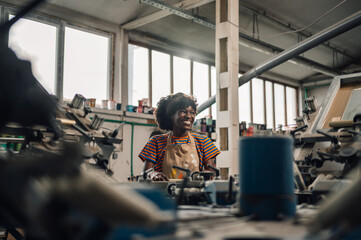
<point x="183" y="119"/>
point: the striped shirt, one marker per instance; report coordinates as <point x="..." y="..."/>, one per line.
<point x="154" y="150"/>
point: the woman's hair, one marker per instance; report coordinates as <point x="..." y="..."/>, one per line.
<point x="169" y="105"/>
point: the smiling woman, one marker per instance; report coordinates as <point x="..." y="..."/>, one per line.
<point x="178" y="147"/>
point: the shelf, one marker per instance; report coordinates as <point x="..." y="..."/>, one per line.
<point x="139" y="115"/>
<point x="10" y="139"/>
<point x="107" y="111"/>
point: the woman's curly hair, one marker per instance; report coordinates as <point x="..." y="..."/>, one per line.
<point x="169" y="105"/>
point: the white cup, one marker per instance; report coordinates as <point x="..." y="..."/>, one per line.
<point x="111" y="105"/>
<point x="104" y="104"/>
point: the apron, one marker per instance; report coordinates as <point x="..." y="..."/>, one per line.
<point x="181" y="155"/>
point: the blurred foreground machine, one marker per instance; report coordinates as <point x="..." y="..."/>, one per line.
<point x="43" y="190"/>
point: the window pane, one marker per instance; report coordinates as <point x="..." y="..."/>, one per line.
<point x="160" y="76"/>
<point x="244" y="103"/>
<point x="138" y="74"/>
<point x="279" y="104"/>
<point x="269" y="105"/>
<point x="200" y="85"/>
<point x="85" y="64"/>
<point x="182" y="75"/>
<point x="214" y="91"/>
<point x="258" y="101"/>
<point x="36" y="41"/>
<point x="291" y="105"/>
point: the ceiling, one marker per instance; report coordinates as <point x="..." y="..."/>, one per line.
<point x="266" y="28"/>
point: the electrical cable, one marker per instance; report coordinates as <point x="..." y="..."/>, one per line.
<point x="294" y="31"/>
<point x="309" y="25"/>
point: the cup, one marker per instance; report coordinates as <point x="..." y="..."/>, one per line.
<point x="104" y="104"/>
<point x="111" y="104"/>
<point x="119" y="106"/>
<point x="266" y="177"/>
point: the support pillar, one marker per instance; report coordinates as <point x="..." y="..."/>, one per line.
<point x="227" y="68"/>
<point x="121" y="71"/>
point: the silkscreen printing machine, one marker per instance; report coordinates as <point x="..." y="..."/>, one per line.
<point x="326" y="182"/>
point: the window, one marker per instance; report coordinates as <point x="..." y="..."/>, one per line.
<point x="138" y="74"/>
<point x="244" y="103"/>
<point x="36" y="42"/>
<point x="160" y="76"/>
<point x="291" y="105"/>
<point x="86" y="64"/>
<point x="201" y="85"/>
<point x="258" y="101"/>
<point x="279" y="104"/>
<point x="182" y="75"/>
<point x="269" y="105"/>
<point x="267" y="102"/>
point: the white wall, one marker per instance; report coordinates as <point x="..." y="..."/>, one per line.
<point x="126" y="161"/>
<point x="318" y="92"/>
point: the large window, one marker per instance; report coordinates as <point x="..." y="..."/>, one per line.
<point x="86" y="62"/>
<point x="269" y="104"/>
<point x="244" y="103"/>
<point x="86" y="65"/>
<point x="160" y="76"/>
<point x="138" y="74"/>
<point x="258" y="101"/>
<point x="181" y="75"/>
<point x="200" y="85"/>
<point x="279" y="105"/>
<point x="291" y="105"/>
<point x="272" y="103"/>
<point x="36" y="42"/>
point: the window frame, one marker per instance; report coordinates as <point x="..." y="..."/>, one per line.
<point x="210" y="65"/>
<point x="60" y="25"/>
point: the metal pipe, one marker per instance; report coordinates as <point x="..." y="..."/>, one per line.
<point x="338" y="28"/>
<point x="348" y="23"/>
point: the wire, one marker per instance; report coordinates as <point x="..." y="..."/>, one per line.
<point x="309" y="25"/>
<point x="107" y="128"/>
<point x="294" y="31"/>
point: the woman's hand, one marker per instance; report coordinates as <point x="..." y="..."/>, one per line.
<point x="158" y="176"/>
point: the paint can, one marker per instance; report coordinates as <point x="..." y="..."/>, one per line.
<point x="105" y="104"/>
<point x="266" y="177"/>
<point x="130" y="108"/>
<point x="119" y="106"/>
<point x="92" y="102"/>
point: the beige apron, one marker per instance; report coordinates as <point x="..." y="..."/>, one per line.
<point x="181" y="155"/>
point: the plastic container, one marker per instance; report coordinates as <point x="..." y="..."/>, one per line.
<point x="111" y="104"/>
<point x="266" y="177"/>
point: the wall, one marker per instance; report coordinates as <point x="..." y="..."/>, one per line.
<point x="319" y="92"/>
<point x="135" y="134"/>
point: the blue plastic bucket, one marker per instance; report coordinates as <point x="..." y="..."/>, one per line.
<point x="266" y="177"/>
